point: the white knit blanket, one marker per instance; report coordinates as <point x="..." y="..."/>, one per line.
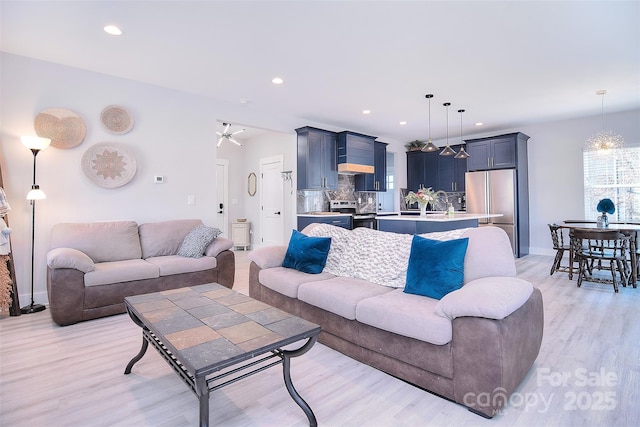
<point x="379" y="257"/>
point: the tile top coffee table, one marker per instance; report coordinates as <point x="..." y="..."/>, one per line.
<point x="203" y="330"/>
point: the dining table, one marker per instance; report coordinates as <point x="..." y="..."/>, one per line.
<point x="629" y="229"/>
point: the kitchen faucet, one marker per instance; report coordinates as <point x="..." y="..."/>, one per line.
<point x="446" y="199"/>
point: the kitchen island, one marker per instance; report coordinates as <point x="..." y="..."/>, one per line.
<point x="415" y="224"/>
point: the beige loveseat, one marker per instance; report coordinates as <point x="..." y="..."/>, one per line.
<point x="92" y="267"/>
<point x="473" y="346"/>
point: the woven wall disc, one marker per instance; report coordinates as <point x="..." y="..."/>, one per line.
<point x="109" y="164"/>
<point x="65" y="128"/>
<point x="116" y="119"/>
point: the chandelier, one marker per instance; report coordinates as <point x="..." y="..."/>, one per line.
<point x="604" y="140"/>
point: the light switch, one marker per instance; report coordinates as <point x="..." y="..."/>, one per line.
<point x="158" y="179"/>
<point x="191" y="199"/>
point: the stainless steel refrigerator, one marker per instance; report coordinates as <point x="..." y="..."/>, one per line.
<point x="496" y="191"/>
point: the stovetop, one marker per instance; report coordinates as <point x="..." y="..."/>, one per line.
<point x="349" y="207"/>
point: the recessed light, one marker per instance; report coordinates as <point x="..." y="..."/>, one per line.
<point x="113" y="30"/>
<point x="366" y="111"/>
<point x="479" y="124"/>
<point x="277" y="81"/>
<point x="402" y="123"/>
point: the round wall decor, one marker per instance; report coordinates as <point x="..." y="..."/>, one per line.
<point x="65" y="128"/>
<point x="109" y="164"/>
<point x="116" y="119"/>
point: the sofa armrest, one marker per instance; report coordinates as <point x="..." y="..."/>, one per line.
<point x="491" y="357"/>
<point x="70" y="258"/>
<point x="218" y="245"/>
<point x="489" y="297"/>
<point x="269" y="256"/>
<point x="66" y="295"/>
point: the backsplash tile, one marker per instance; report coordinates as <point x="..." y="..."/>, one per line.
<point x="311" y="201"/>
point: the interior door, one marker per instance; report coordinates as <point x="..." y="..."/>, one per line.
<point x="271" y="201"/>
<point x="222" y="196"/>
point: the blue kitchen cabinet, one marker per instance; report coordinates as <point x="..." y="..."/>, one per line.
<point x="422" y="170"/>
<point x="451" y="172"/>
<point x="376" y="181"/>
<point x="317" y="159"/>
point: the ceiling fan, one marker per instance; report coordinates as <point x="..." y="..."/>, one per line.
<point x="225" y="134"/>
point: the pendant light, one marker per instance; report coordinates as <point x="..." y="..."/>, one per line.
<point x="461" y="154"/>
<point x="430" y="147"/>
<point x="448" y="151"/>
<point x="603" y="140"/>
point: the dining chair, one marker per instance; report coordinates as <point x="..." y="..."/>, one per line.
<point x="593" y="248"/>
<point x="560" y="245"/>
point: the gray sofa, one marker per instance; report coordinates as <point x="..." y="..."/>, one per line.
<point x="474" y="346"/>
<point x="92" y="267"/>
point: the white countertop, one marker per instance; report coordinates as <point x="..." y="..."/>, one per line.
<point x="323" y="214"/>
<point x="438" y="217"/>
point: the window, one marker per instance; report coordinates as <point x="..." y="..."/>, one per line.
<point x="613" y="174"/>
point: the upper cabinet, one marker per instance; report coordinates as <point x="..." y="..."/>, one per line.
<point x="497" y="152"/>
<point x="317" y="159"/>
<point x="451" y="172"/>
<point x="376" y="181"/>
<point x="355" y="153"/>
<point x="422" y="170"/>
<point x="430" y="169"/>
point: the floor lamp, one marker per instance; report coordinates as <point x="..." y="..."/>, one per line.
<point x="35" y="144"/>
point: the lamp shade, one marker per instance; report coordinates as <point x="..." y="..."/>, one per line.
<point x="35" y="142"/>
<point x="36" y="193"/>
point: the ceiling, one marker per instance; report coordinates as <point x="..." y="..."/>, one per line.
<point x="509" y="64"/>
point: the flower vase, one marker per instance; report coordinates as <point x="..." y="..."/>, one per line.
<point x="423" y="209"/>
<point x="603" y="220"/>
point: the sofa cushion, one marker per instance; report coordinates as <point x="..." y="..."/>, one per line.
<point x="306" y="254"/>
<point x="287" y="280"/>
<point x="100" y="241"/>
<point x="489" y="297"/>
<point x="197" y="240"/>
<point x="409" y="315"/>
<point x="339" y="295"/>
<point x="376" y="256"/>
<point x="70" y="258"/>
<point x="176" y="264"/>
<point x="435" y="268"/>
<point x="489" y="254"/>
<point x="121" y="271"/>
<point x="165" y="237"/>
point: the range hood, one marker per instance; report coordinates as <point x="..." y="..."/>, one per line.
<point x="354" y="169"/>
<point x="355" y="153"/>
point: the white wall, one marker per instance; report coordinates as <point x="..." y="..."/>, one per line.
<point x="174" y="136"/>
<point x="263" y="146"/>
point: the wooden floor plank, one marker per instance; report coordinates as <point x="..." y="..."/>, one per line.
<point x="73" y="376"/>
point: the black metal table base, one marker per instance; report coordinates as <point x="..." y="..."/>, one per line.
<point x="202" y="386"/>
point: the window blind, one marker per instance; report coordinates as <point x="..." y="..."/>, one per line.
<point x="615" y="175"/>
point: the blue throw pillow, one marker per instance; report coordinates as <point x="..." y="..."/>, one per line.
<point x="435" y="267"/>
<point x="307" y="254"/>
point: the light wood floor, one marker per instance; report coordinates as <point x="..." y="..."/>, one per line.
<point x="73" y="376"/>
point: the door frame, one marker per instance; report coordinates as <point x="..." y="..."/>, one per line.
<point x="265" y="160"/>
<point x="225" y="195"/>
